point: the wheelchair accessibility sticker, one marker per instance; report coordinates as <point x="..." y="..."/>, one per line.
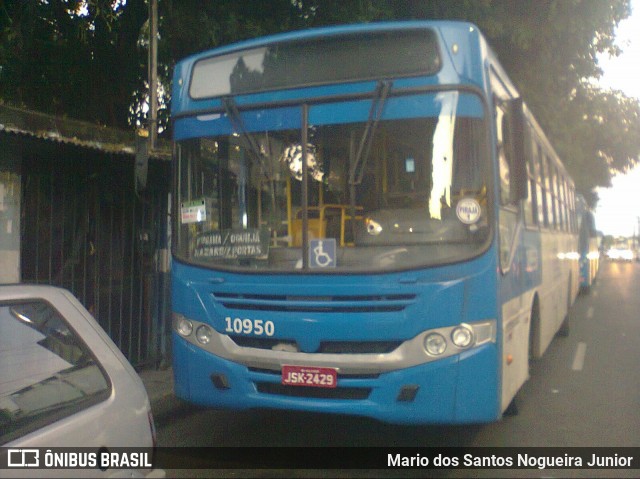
<point x="322" y="253"/>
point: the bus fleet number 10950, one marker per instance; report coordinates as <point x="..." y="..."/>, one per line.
<point x="257" y="327"/>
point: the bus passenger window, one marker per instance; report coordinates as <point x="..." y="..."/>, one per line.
<point x="504" y="156"/>
<point x="530" y="213"/>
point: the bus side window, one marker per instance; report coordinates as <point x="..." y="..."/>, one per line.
<point x="552" y="193"/>
<point x="540" y="197"/>
<point x="504" y="155"/>
<point x="530" y="204"/>
<point x="549" y="221"/>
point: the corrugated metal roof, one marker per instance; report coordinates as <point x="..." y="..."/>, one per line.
<point x="23" y="122"/>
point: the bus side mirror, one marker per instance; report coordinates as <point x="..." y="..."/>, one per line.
<point x="518" y="129"/>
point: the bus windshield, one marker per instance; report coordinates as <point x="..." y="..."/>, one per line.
<point x="364" y="185"/>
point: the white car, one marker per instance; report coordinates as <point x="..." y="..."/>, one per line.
<point x="65" y="384"/>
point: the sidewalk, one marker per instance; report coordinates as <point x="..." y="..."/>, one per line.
<point x="159" y="386"/>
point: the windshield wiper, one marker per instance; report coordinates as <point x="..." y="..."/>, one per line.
<point x="358" y="164"/>
<point x="249" y="143"/>
<point x="364" y="149"/>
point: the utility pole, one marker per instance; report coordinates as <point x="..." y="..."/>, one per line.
<point x="153" y="73"/>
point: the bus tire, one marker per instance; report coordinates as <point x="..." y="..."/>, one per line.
<point x="534" y="327"/>
<point x="534" y="323"/>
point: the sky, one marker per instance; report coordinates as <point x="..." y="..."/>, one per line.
<point x="618" y="210"/>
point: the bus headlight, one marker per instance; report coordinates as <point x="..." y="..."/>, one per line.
<point x="450" y="340"/>
<point x="435" y="344"/>
<point x="462" y="336"/>
<point x="203" y="334"/>
<point x="184" y="327"/>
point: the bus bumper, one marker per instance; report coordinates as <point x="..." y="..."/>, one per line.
<point x="459" y="389"/>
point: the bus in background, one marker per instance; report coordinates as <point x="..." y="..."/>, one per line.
<point x="368" y="221"/>
<point x="588" y="245"/>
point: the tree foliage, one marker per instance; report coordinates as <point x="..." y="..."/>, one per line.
<point x="72" y="57"/>
<point x="87" y="58"/>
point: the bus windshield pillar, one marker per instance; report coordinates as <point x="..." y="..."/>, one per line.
<point x="305" y="188"/>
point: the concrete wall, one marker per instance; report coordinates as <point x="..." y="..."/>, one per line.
<point x="9" y="211"/>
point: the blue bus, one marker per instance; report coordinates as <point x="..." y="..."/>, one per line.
<point x="588" y="245"/>
<point x="367" y="221"/>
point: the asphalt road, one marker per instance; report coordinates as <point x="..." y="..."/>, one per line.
<point x="585" y="391"/>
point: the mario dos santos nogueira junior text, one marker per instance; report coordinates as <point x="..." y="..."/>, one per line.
<point x="506" y="461"/>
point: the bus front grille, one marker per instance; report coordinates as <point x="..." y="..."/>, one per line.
<point x="311" y="392"/>
<point x="308" y="304"/>
<point x="326" y="347"/>
<point x="358" y="347"/>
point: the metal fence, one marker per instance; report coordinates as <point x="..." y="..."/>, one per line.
<point x="85" y="228"/>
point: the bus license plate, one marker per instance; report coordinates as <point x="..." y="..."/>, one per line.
<point x="309" y="376"/>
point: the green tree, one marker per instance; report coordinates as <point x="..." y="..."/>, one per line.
<point x="72" y="57"/>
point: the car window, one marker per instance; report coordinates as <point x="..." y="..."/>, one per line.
<point x="46" y="371"/>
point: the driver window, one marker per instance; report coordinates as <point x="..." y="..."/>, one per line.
<point x="504" y="155"/>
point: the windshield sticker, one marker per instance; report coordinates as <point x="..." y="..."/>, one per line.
<point x="193" y="211"/>
<point x="232" y="244"/>
<point x="468" y="211"/>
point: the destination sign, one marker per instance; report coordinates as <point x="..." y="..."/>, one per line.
<point x="232" y="244"/>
